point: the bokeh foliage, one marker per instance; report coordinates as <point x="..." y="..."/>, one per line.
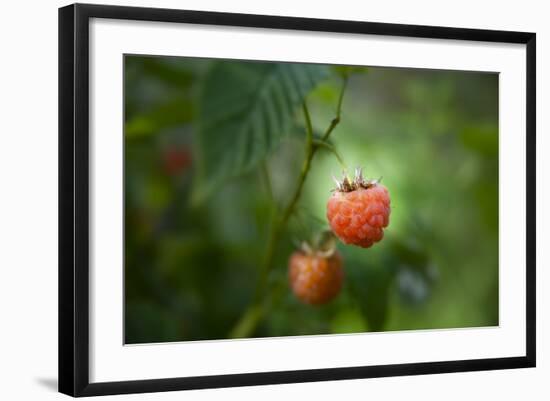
<point x="202" y="135"/>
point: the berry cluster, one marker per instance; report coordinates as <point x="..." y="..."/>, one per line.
<point x="358" y="211"/>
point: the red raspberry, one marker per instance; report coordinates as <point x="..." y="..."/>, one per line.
<point x="358" y="211"/>
<point x="315" y="278"/>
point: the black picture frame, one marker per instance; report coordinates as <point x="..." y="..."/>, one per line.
<point x="74" y="198"/>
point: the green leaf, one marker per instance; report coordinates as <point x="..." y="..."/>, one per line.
<point x="246" y="108"/>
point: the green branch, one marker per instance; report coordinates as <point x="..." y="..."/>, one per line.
<point x="336" y="120"/>
<point x="322" y="144"/>
<point x="249" y="320"/>
<point x="278" y="225"/>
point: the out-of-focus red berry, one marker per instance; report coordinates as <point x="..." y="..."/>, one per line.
<point x="176" y="160"/>
<point x="315" y="279"/>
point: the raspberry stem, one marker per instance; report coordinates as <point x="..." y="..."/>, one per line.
<point x="279" y="225"/>
<point x="252" y="316"/>
<point x="336" y="119"/>
<point x="310" y="152"/>
<point x="331" y="148"/>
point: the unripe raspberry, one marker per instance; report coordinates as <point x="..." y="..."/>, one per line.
<point x="359" y="210"/>
<point x="315" y="278"/>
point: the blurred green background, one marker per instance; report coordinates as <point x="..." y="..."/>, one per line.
<point x="213" y="147"/>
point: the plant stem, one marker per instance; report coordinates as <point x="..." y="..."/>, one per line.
<point x="278" y="225"/>
<point x="331" y="148"/>
<point x="336" y="120"/>
<point x="310" y="151"/>
<point x="252" y="316"/>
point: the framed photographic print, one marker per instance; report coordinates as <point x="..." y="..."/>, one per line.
<point x="249" y="199"/>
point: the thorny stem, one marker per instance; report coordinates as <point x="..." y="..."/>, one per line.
<point x="252" y="316"/>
